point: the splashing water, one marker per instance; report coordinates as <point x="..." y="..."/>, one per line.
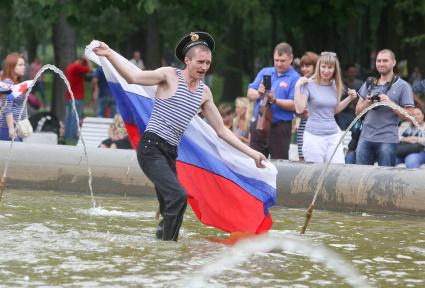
<point x="102" y="212"/>
<point x="68" y="86"/>
<point x="289" y="243"/>
<point x="322" y="175"/>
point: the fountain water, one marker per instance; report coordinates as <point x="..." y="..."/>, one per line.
<point x="117" y="241"/>
<point x="63" y="77"/>
<point x="319" y="186"/>
<point x="288" y="243"/>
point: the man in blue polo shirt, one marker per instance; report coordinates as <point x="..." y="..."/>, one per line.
<point x="283" y="78"/>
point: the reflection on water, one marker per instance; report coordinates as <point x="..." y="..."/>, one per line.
<point x="54" y="239"/>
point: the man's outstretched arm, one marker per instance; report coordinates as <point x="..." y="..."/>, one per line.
<point x="132" y="76"/>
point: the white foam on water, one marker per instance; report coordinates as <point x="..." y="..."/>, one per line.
<point x="391" y="273"/>
<point x="413" y="280"/>
<point x="102" y="212"/>
<point x="367" y="260"/>
<point x="349" y="247"/>
<point x="39" y="228"/>
<point x="417" y="250"/>
<point x="13" y="206"/>
<point x="291" y="242"/>
<point x="305" y="276"/>
<point x="322" y="282"/>
<point x="76" y="264"/>
<point x="385" y="260"/>
<point x="399" y="256"/>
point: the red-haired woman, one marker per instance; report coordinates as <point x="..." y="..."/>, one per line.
<point x="13" y="72"/>
<point x="308" y="66"/>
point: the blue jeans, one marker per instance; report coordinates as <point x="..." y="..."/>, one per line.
<point x="367" y="153"/>
<point x="71" y="127"/>
<point x="4" y="135"/>
<point x="103" y="103"/>
<point x="350" y="157"/>
<point x="39" y="86"/>
<point x="413" y="160"/>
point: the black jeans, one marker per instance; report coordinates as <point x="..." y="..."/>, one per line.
<point x="277" y="144"/>
<point x="157" y="159"/>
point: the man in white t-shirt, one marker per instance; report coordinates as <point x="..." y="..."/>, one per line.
<point x="137" y="60"/>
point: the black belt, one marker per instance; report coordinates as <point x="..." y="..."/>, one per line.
<point x="281" y="122"/>
<point x="155" y="139"/>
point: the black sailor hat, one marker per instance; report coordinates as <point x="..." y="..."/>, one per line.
<point x="191" y="40"/>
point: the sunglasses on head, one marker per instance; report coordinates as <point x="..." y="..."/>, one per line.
<point x="333" y="54"/>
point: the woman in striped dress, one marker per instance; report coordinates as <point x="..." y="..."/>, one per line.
<point x="13" y="72"/>
<point x="308" y="65"/>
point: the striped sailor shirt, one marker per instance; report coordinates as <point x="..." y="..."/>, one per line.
<point x="171" y="117"/>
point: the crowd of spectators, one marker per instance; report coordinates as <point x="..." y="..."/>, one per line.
<point x="315" y="102"/>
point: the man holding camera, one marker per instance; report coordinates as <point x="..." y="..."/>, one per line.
<point x="281" y="98"/>
<point x="379" y="137"/>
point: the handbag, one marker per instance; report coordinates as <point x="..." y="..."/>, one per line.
<point x="356" y="130"/>
<point x="404" y="149"/>
<point x="264" y="119"/>
<point x="24" y="128"/>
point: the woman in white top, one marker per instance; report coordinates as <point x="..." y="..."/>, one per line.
<point x="322" y="94"/>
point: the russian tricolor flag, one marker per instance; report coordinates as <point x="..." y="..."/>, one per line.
<point x="225" y="189"/>
<point x="14" y="90"/>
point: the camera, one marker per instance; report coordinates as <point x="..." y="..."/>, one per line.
<point x="267" y="82"/>
<point x="374" y="97"/>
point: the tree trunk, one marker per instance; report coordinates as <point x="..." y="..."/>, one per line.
<point x="232" y="74"/>
<point x="32" y="43"/>
<point x="64" y="45"/>
<point x="137" y="41"/>
<point x="153" y="57"/>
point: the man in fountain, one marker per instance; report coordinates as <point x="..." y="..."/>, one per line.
<point x="379" y="137"/>
<point x="179" y="96"/>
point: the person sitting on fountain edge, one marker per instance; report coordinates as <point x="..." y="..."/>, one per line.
<point x="379" y="136"/>
<point x="180" y="93"/>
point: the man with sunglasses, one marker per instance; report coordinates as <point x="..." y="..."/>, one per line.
<point x="379" y="137"/>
